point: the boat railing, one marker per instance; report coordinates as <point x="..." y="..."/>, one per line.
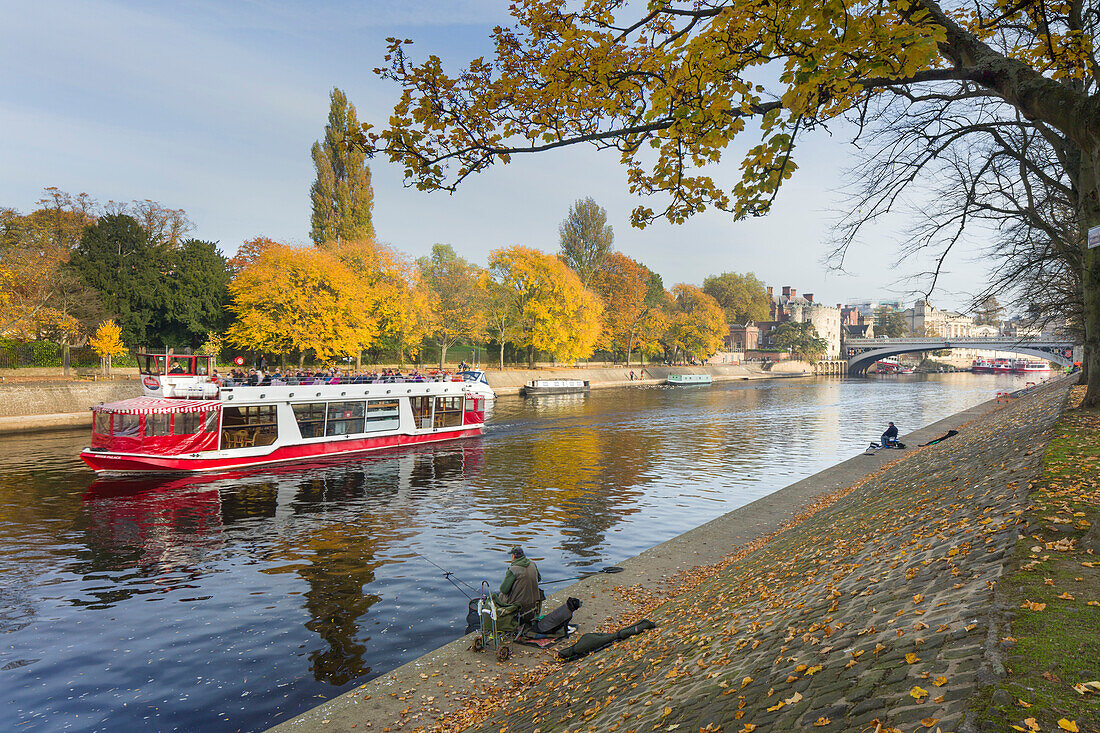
<point x="296" y="381"/>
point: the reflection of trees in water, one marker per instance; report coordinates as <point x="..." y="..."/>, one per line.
<point x="370" y="510"/>
<point x="570" y="475"/>
<point x="329" y="524"/>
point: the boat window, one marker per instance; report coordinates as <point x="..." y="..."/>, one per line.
<point x="188" y="423"/>
<point x="151" y="364"/>
<point x="180" y="365"/>
<point x="157" y="424"/>
<point x="383" y="415"/>
<point x="126" y="426"/>
<point x="202" y="365"/>
<point x="475" y="404"/>
<point x="245" y="427"/>
<point x="448" y="411"/>
<point x="345" y="418"/>
<point x="101" y="423"/>
<point x="422" y="411"/>
<point x="311" y="419"/>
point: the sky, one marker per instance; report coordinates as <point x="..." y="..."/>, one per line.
<point x="212" y="107"/>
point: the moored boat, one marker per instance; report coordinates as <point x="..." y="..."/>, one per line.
<point x="1003" y="366"/>
<point x="981" y="366"/>
<point x="538" y="387"/>
<point x="891" y="366"/>
<point x="1029" y="366"/>
<point x="186" y="420"/>
<point x="688" y="380"/>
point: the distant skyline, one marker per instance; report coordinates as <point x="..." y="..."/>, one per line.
<point x="212" y="108"/>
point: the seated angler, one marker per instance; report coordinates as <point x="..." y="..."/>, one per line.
<point x="519" y="594"/>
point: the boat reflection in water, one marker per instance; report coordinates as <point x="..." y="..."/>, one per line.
<point x="331" y="524"/>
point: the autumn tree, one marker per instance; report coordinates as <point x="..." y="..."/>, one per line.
<point x="107" y="343"/>
<point x="341" y="194"/>
<point x="672" y="88"/>
<point x="698" y="323"/>
<point x="744" y="298"/>
<point x="298" y="300"/>
<point x="45" y="298"/>
<point x="456" y="285"/>
<point x="248" y="253"/>
<point x="552" y="310"/>
<point x="632" y="312"/>
<point x="404" y="306"/>
<point x="799" y="338"/>
<point x="586" y="239"/>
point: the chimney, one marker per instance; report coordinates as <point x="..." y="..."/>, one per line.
<point x="769" y="291"/>
<point x="809" y="297"/>
<point x="786" y="291"/>
<point x="794" y="293"/>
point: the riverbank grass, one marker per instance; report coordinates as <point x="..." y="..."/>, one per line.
<point x="1053" y="646"/>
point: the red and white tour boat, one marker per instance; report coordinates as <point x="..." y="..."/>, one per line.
<point x="188" y="421"/>
<point x="1029" y="366"/>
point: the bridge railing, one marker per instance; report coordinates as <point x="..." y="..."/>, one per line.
<point x="885" y="342"/>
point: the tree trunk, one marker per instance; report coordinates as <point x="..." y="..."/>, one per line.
<point x="359" y="360"/>
<point x="442" y="354"/>
<point x="502" y="352"/>
<point x="301" y="359"/>
<point x="1089" y="215"/>
<point x="629" y="348"/>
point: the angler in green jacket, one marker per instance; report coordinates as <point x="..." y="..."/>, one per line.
<point x="520" y="588"/>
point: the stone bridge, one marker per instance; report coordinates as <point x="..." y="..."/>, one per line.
<point x="862" y="353"/>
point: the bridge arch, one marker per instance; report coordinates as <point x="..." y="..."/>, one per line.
<point x="862" y="353"/>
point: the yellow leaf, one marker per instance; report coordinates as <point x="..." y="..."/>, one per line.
<point x="912" y="658"/>
<point x="822" y="721"/>
<point x="1023" y="704"/>
<point x="793" y="698"/>
<point x="746" y="681"/>
<point x="939" y="681"/>
<point x="1069" y="725"/>
<point x="929" y="722"/>
<point x="776" y="706"/>
<point x="749" y="728"/>
<point x="665" y="713"/>
<point x="1032" y="724"/>
<point x="918" y="692"/>
<point x="813" y="670"/>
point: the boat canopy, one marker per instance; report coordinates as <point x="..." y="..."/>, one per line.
<point x="157" y="406"/>
<point x="156" y="425"/>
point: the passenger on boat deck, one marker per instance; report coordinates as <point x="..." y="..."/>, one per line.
<point x="176" y="369"/>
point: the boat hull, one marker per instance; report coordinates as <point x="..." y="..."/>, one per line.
<point x="537" y="391"/>
<point x="107" y="462"/>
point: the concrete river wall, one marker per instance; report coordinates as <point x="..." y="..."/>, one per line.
<point x="52" y="405"/>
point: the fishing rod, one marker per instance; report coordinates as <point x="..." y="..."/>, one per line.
<point x="449" y="576"/>
<point x="609" y="569"/>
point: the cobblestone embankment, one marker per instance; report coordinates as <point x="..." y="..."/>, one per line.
<point x="819" y="611"/>
<point x="877" y="609"/>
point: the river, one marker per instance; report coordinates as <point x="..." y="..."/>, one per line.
<point x="235" y="601"/>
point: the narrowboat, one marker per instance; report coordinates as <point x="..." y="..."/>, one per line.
<point x="688" y="380"/>
<point x="188" y="420"/>
<point x="537" y="387"/>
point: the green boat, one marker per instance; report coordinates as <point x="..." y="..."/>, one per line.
<point x="688" y="380"/>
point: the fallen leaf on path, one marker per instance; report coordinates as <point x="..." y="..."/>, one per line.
<point x="1069" y="725"/>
